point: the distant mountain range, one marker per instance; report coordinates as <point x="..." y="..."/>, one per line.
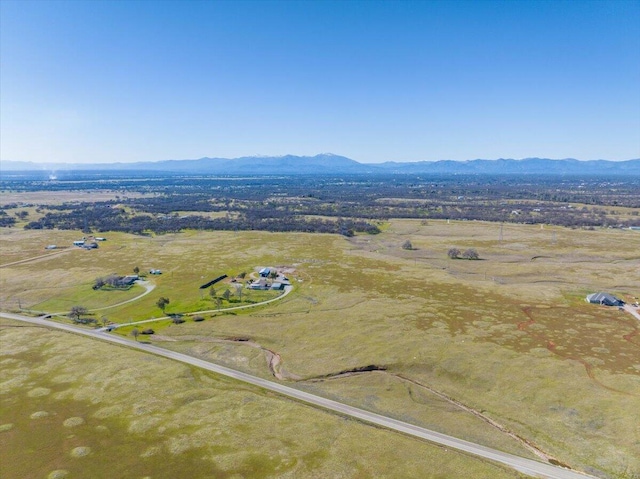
<point x="328" y="163"/>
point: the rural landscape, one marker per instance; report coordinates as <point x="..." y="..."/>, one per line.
<point x="476" y="329"/>
<point x="337" y="239"/>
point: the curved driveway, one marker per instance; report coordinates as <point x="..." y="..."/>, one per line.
<point x="634" y="311"/>
<point x="145" y="284"/>
<point x="113" y="326"/>
<point x="527" y="466"/>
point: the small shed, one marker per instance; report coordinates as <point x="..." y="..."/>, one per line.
<point x="264" y="272"/>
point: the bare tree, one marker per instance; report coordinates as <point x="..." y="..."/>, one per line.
<point x="77" y="312"/>
<point x="136" y="270"/>
<point x="98" y="283"/>
<point x="135" y="332"/>
<point x="407" y="245"/>
<point x="239" y="288"/>
<point x="471" y="254"/>
<point x="104" y="321"/>
<point x="453" y="253"/>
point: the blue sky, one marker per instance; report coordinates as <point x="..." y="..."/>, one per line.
<point x="92" y="81"/>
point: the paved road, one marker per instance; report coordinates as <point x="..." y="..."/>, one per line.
<point x="527" y="466"/>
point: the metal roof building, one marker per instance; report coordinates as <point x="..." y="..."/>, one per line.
<point x="264" y="272"/>
<point x="604" y="298"/>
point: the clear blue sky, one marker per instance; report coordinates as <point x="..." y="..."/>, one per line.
<point x="94" y="81"/>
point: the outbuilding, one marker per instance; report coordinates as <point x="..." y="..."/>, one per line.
<point x="260" y="284"/>
<point x="264" y="272"/>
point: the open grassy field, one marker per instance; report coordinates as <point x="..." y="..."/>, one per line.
<point x="486" y="350"/>
<point x="70" y="409"/>
<point x="60" y="197"/>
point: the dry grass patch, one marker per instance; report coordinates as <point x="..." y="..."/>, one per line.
<point x="509" y="336"/>
<point x="162" y="419"/>
<point x="59" y="197"/>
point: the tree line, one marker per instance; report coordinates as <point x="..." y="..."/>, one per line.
<point x="326" y="204"/>
<point x="96" y="217"/>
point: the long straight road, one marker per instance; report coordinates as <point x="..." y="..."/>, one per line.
<point x="527" y="466"/>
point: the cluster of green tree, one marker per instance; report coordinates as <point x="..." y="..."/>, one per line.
<point x="6" y="220"/>
<point x="11" y="206"/>
<point x="290" y="204"/>
<point x="76" y="314"/>
<point x="90" y="217"/>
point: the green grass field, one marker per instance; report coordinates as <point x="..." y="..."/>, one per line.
<point x="508" y="337"/>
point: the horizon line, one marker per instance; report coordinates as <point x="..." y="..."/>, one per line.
<point x="265" y="157"/>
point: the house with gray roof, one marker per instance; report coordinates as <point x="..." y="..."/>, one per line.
<point x="605" y="299"/>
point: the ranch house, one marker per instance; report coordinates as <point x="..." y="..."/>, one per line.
<point x="605" y="299"/>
